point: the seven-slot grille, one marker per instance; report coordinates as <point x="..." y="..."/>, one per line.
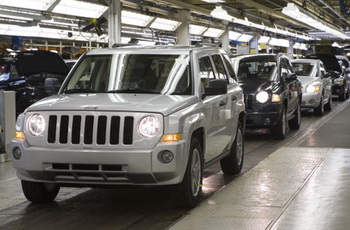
<point x="248" y="99"/>
<point x="90" y="129"/>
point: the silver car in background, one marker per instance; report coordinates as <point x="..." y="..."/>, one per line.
<point x="316" y="83"/>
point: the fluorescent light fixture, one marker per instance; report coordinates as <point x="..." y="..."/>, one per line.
<point x="245" y="38"/>
<point x="197" y="30"/>
<point x="165" y="24"/>
<point x="219" y="13"/>
<point x="41" y="5"/>
<point x="214" y="1"/>
<point x="303" y="46"/>
<point x="279" y="42"/>
<point x="302" y="15"/>
<point x="264" y="39"/>
<point x="135" y="19"/>
<point x="52" y="21"/>
<point x="36" y="31"/>
<point x="79" y="9"/>
<point x="233" y="35"/>
<point x="296" y="45"/>
<point x="213" y="32"/>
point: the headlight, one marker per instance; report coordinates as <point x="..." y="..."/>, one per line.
<point x="262" y="97"/>
<point x="149" y="126"/>
<point x="313" y="88"/>
<point x="339" y="81"/>
<point x="36" y="124"/>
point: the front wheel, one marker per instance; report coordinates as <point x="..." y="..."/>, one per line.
<point x="295" y="122"/>
<point x="232" y="164"/>
<point x="318" y="111"/>
<point x="342" y="97"/>
<point x="187" y="193"/>
<point x="328" y="105"/>
<point x="278" y="132"/>
<point x="38" y="192"/>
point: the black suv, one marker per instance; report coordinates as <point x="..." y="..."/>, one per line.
<point x="272" y="92"/>
<point x="26" y="74"/>
<point x="339" y="72"/>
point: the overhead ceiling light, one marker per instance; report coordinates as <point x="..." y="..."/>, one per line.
<point x="135" y="19"/>
<point x="213" y="32"/>
<point x="233" y="35"/>
<point x="245" y="38"/>
<point x="41" y="5"/>
<point x="165" y="24"/>
<point x="279" y="42"/>
<point x="264" y="39"/>
<point x="79" y="9"/>
<point x="197" y="30"/>
<point x="219" y="13"/>
<point x="52" y="21"/>
<point x="302" y="15"/>
<point x="214" y="1"/>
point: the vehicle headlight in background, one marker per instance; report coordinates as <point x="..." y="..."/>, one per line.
<point x="36" y="124"/>
<point x="149" y="126"/>
<point x="262" y="97"/>
<point x="313" y="88"/>
<point x="338" y="81"/>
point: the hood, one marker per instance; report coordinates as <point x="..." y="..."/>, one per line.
<point x="305" y="80"/>
<point x="165" y="104"/>
<point x="329" y="60"/>
<point x="33" y="62"/>
<point x="250" y="87"/>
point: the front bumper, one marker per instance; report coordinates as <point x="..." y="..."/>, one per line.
<point x="338" y="90"/>
<point x="311" y="100"/>
<point x="100" y="167"/>
<point x="263" y="115"/>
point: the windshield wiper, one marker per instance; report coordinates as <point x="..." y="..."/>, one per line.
<point x="132" y="90"/>
<point x="68" y="91"/>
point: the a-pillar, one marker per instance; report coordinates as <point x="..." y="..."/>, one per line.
<point x="183" y="31"/>
<point x="114" y="23"/>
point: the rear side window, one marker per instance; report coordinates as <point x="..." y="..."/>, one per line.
<point x="220" y="68"/>
<point x="206" y="71"/>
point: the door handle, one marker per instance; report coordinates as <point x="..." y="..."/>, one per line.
<point x="222" y="103"/>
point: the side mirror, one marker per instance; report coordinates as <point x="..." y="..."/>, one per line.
<point x="289" y="76"/>
<point x="51" y="86"/>
<point x="216" y="87"/>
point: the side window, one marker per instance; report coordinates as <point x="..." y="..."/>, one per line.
<point x="220" y="68"/>
<point x="229" y="67"/>
<point x="206" y="71"/>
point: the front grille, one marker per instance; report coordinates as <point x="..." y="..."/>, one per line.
<point x="248" y="99"/>
<point x="89" y="129"/>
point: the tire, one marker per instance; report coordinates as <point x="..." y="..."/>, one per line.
<point x="278" y="132"/>
<point x="319" y="110"/>
<point x="294" y="123"/>
<point x="328" y="106"/>
<point x="187" y="193"/>
<point x="38" y="192"/>
<point x="232" y="164"/>
<point x="342" y="97"/>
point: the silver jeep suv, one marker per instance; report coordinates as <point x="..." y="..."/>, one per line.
<point x="133" y="116"/>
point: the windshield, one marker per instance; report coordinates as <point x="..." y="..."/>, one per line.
<point x="134" y="73"/>
<point x="261" y="70"/>
<point x="303" y="69"/>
